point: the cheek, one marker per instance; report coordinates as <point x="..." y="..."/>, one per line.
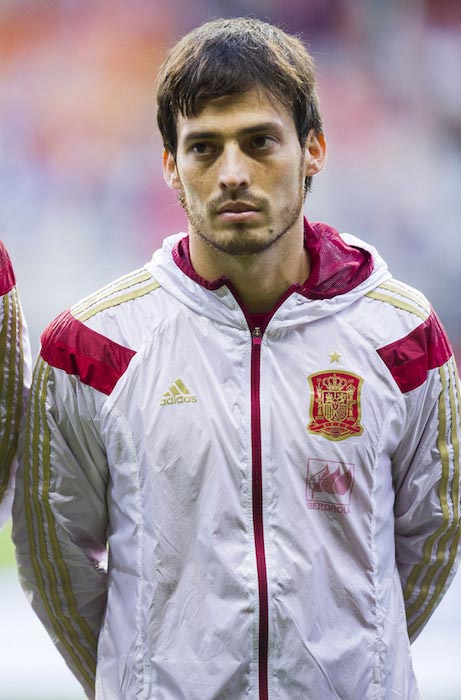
<point x="191" y="194"/>
<point x="287" y="174"/>
<point x="291" y="183"/>
<point x="196" y="188"/>
<point x="193" y="183"/>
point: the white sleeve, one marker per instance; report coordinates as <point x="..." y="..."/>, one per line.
<point x="15" y="370"/>
<point x="60" y="516"/>
<point x="427" y="485"/>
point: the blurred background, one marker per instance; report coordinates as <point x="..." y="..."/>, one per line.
<point x="82" y="199"/>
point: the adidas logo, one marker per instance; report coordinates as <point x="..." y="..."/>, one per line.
<point x="177" y="393"/>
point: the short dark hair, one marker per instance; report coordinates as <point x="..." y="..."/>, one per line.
<point x="231" y="56"/>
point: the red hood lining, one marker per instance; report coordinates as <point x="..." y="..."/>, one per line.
<point x="336" y="267"/>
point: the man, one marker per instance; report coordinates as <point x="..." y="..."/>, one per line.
<point x="14" y="376"/>
<point x="260" y="424"/>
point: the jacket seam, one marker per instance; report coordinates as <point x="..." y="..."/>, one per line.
<point x="140" y="626"/>
<point x="377" y="586"/>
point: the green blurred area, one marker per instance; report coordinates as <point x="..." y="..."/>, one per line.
<point x="7" y="559"/>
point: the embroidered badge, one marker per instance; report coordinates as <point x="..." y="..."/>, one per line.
<point x="329" y="485"/>
<point x="335" y="405"/>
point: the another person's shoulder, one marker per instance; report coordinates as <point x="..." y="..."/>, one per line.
<point x="7" y="278"/>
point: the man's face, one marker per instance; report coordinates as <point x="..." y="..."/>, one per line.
<point x="240" y="171"/>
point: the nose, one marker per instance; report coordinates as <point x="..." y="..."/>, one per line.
<point x="233" y="169"/>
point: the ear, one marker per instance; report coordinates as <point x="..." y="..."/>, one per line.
<point x="316" y="153"/>
<point x="170" y="170"/>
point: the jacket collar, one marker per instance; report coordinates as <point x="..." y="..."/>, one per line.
<point x="336" y="267"/>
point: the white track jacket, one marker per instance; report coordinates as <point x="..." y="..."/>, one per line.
<point x="279" y="501"/>
<point x="15" y="371"/>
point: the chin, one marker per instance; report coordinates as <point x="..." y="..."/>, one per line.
<point x="243" y="243"/>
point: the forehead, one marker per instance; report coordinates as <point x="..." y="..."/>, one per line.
<point x="237" y="113"/>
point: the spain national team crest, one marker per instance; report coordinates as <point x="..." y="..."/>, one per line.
<point x="335" y="405"/>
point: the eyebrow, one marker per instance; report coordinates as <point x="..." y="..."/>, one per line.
<point x="264" y="126"/>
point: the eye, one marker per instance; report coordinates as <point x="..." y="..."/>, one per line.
<point x="262" y="143"/>
<point x="202" y="148"/>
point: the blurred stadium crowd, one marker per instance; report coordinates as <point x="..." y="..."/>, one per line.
<point x="82" y="197"/>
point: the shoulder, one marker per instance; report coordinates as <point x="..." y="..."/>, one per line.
<point x="407" y="305"/>
<point x="116" y="296"/>
<point x="407" y="333"/>
<point x="7" y="278"/>
<point x="97" y="338"/>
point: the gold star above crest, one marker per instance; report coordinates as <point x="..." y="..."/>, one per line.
<point x="334" y="357"/>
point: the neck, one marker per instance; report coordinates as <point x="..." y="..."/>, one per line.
<point x="260" y="279"/>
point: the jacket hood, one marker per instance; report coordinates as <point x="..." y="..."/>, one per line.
<point x="343" y="269"/>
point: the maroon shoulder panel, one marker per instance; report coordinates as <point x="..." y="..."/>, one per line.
<point x="7" y="279"/>
<point x="98" y="361"/>
<point x="409" y="359"/>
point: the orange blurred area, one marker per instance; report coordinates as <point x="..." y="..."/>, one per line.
<point x="87" y="78"/>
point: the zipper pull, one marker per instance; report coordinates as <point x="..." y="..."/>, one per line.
<point x="257" y="336"/>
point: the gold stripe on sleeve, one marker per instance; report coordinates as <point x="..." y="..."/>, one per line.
<point x="126" y="282"/>
<point x="398" y="303"/>
<point x="20" y="365"/>
<point x="42" y="567"/>
<point x="411" y="295"/>
<point x="454" y="530"/>
<point x="57" y="556"/>
<point x="5" y="476"/>
<point x="12" y="388"/>
<point x="443" y="493"/>
<point x="116" y="301"/>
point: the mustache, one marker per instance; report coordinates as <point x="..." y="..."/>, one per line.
<point x="214" y="206"/>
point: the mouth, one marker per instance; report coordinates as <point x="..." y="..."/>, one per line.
<point x="236" y="208"/>
<point x="238" y="211"/>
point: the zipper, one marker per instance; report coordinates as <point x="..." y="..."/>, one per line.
<point x="257" y="485"/>
<point x="257" y="503"/>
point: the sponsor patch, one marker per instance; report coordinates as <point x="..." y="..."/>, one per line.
<point x="329" y="485"/>
<point x="335" y="405"/>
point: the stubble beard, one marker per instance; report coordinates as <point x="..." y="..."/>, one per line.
<point x="238" y="240"/>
